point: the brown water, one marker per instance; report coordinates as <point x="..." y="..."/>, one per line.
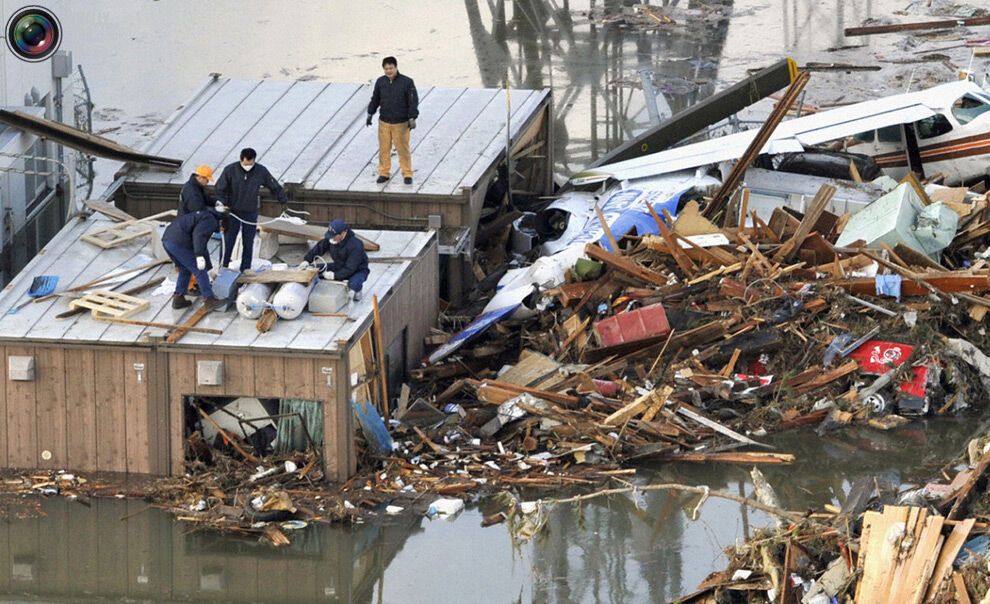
<point x="144" y="58"/>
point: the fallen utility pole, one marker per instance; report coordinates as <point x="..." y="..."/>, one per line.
<point x="705" y="113"/>
<point x="921" y="25"/>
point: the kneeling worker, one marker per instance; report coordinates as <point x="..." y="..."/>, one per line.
<point x="350" y="261"/>
<point x="185" y="241"/>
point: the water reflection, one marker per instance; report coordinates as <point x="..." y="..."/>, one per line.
<point x="623" y="549"/>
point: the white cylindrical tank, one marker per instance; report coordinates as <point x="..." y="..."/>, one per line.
<point x="251" y="301"/>
<point x="290" y="300"/>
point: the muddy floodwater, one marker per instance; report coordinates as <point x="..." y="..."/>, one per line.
<point x="144" y="58"/>
<point x="621" y="549"/>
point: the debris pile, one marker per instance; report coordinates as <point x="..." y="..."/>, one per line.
<point x="690" y="344"/>
<point x="925" y="544"/>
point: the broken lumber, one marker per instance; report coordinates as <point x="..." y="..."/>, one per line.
<point x="624" y="265"/>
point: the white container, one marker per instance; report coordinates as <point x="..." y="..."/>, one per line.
<point x="290" y="300"/>
<point x="328" y="296"/>
<point x="252" y="299"/>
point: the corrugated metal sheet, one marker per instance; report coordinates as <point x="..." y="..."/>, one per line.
<point x="313" y="135"/>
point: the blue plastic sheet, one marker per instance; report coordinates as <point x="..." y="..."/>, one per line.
<point x="375" y="432"/>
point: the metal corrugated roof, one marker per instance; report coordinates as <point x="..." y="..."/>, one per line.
<point x="312" y="134"/>
<point x="76" y="262"/>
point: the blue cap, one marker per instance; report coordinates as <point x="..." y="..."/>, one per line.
<point x="336" y="227"/>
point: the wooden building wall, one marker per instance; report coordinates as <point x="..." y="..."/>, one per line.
<point x="90" y="408"/>
<point x="414" y="305"/>
<point x="266" y="376"/>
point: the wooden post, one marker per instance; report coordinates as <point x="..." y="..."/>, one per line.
<point x="380" y="358"/>
<point x="608" y="231"/>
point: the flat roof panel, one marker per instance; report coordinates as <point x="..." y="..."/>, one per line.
<point x="227" y="138"/>
<point x="305" y="140"/>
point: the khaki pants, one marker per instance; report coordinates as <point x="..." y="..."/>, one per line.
<point x="398" y="135"/>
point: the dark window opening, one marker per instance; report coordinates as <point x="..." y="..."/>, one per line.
<point x="933" y="126"/>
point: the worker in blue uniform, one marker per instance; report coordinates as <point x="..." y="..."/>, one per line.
<point x="349" y="261"/>
<point x="185" y="241"/>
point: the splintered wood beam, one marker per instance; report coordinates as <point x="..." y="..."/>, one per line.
<point x="624" y="265"/>
<point x="821" y="199"/>
<point x="735" y="177"/>
<point x="608" y="231"/>
<point x="380" y="357"/>
<point x="183" y="328"/>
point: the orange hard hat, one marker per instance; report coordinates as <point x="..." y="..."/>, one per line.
<point x="205" y="171"/>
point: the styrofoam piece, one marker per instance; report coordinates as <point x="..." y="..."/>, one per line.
<point x="328" y="296"/>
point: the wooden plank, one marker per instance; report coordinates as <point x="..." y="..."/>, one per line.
<point x="80" y="371"/>
<point x="299" y="374"/>
<point x="624" y="265"/>
<point x="962" y="595"/>
<point x="182" y="383"/>
<point x="50" y="407"/>
<point x="108" y="303"/>
<point x="117" y="321"/>
<point x="380" y="359"/>
<point x="136" y="439"/>
<point x="111" y="412"/>
<point x="943" y="567"/>
<point x="108" y="209"/>
<point x="196" y="316"/>
<point x="22" y="425"/>
<point x="4" y="421"/>
<point x="238" y="375"/>
<point x="944" y="282"/>
<point x="815" y="210"/>
<point x="879" y="555"/>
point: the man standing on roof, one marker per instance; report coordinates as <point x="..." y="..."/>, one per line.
<point x="185" y="240"/>
<point x="396" y="95"/>
<point x="239" y="188"/>
<point x="349" y="260"/>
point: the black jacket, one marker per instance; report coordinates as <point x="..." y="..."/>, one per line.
<point x="397" y="98"/>
<point x="349" y="257"/>
<point x="240" y="189"/>
<point x="194" y="198"/>
<point x="193" y="231"/>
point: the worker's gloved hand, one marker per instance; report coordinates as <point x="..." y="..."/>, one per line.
<point x="302" y="265"/>
<point x="368" y="121"/>
<point x="326" y="276"/>
<point x="412" y="123"/>
<point x="219" y="207"/>
<point x="201" y="263"/>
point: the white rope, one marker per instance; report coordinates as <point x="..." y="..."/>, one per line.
<point x="283" y="217"/>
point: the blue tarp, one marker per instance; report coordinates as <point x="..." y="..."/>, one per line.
<point x="477" y="326"/>
<point x="626" y="211"/>
<point x="375" y="432"/>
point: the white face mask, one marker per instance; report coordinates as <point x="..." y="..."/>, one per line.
<point x="334" y="242"/>
<point x="248" y="167"/>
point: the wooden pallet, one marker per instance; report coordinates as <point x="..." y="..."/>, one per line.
<point x="124" y="232"/>
<point x="106" y="303"/>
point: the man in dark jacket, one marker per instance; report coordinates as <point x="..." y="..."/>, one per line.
<point x="193" y="196"/>
<point x="396" y="95"/>
<point x="239" y="188"/>
<point x="349" y="260"/>
<point x="185" y="241"/>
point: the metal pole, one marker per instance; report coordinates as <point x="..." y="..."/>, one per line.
<point x="649" y="94"/>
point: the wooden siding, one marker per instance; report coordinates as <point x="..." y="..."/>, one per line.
<point x="86" y="407"/>
<point x="414" y="306"/>
<point x="263" y="376"/>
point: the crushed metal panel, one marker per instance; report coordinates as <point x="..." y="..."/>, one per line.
<point x="82" y="141"/>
